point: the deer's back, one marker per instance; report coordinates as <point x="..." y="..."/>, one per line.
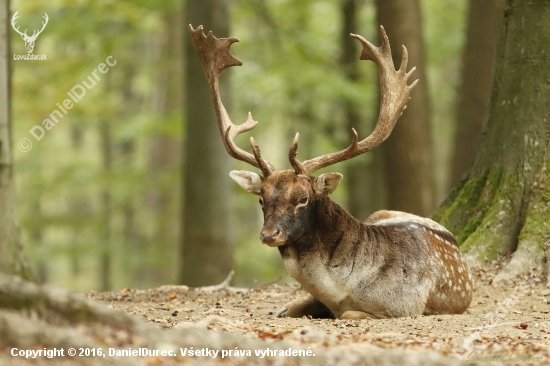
<point x="399" y="265"/>
<point x="423" y="262"/>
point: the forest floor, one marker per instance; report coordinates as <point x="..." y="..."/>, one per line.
<point x="506" y="323"/>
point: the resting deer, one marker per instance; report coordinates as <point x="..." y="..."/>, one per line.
<point x="392" y="265"/>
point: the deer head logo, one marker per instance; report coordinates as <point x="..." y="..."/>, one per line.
<point x="29" y="40"/>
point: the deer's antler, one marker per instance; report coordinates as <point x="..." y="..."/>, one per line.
<point x="215" y="57"/>
<point x="24" y="34"/>
<point x="13" y="19"/>
<point x="37" y="32"/>
<point x="394" y="93"/>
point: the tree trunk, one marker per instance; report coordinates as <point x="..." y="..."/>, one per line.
<point x="12" y="259"/>
<point x="475" y="89"/>
<point x="35" y="235"/>
<point x="206" y="247"/>
<point x="363" y="174"/>
<point x="105" y="275"/>
<point x="81" y="210"/>
<point x="408" y="152"/>
<point x="165" y="149"/>
<point x="503" y="202"/>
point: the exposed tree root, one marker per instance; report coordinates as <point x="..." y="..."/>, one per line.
<point x="494" y="214"/>
<point x="53" y="304"/>
<point x="496" y="233"/>
<point x="534" y="240"/>
<point x="222" y="286"/>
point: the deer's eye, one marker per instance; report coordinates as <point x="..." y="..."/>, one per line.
<point x="303" y="200"/>
<point x="261" y="200"/>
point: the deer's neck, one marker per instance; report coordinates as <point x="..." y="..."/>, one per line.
<point x="332" y="224"/>
<point x="332" y="233"/>
<point x="323" y="259"/>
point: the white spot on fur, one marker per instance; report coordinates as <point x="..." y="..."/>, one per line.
<point x="398" y="217"/>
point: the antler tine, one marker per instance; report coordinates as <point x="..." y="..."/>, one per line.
<point x="266" y="170"/>
<point x="13" y="19"/>
<point x="43" y="24"/>
<point x="215" y="56"/>
<point x="298" y="167"/>
<point x="395" y="93"/>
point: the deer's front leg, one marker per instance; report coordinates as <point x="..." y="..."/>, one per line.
<point x="309" y="306"/>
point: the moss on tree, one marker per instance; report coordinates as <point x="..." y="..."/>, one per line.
<point x="502" y="204"/>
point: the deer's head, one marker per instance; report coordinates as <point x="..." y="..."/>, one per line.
<point x="29" y="40"/>
<point x="288" y="201"/>
<point x="288" y="197"/>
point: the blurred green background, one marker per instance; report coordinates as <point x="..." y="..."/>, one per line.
<point x="101" y="193"/>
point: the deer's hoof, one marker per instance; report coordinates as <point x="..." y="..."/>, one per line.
<point x="282" y="312"/>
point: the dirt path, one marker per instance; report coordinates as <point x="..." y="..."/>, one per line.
<point x="508" y="322"/>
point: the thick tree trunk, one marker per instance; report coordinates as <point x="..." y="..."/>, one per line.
<point x="408" y="152"/>
<point x="11" y="252"/>
<point x="206" y="247"/>
<point x="475" y="89"/>
<point x="502" y="204"/>
<point x="365" y="188"/>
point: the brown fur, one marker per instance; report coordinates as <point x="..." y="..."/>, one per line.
<point x="394" y="264"/>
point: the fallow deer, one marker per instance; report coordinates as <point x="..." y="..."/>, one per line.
<point x="392" y="265"/>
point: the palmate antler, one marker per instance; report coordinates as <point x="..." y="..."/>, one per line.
<point x="215" y="57"/>
<point x="394" y="93"/>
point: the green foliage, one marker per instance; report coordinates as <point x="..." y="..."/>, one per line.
<point x="445" y="31"/>
<point x="60" y="182"/>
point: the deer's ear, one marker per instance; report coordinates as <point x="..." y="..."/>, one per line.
<point x="251" y="182"/>
<point x="326" y="183"/>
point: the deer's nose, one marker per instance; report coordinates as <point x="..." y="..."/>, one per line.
<point x="269" y="236"/>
